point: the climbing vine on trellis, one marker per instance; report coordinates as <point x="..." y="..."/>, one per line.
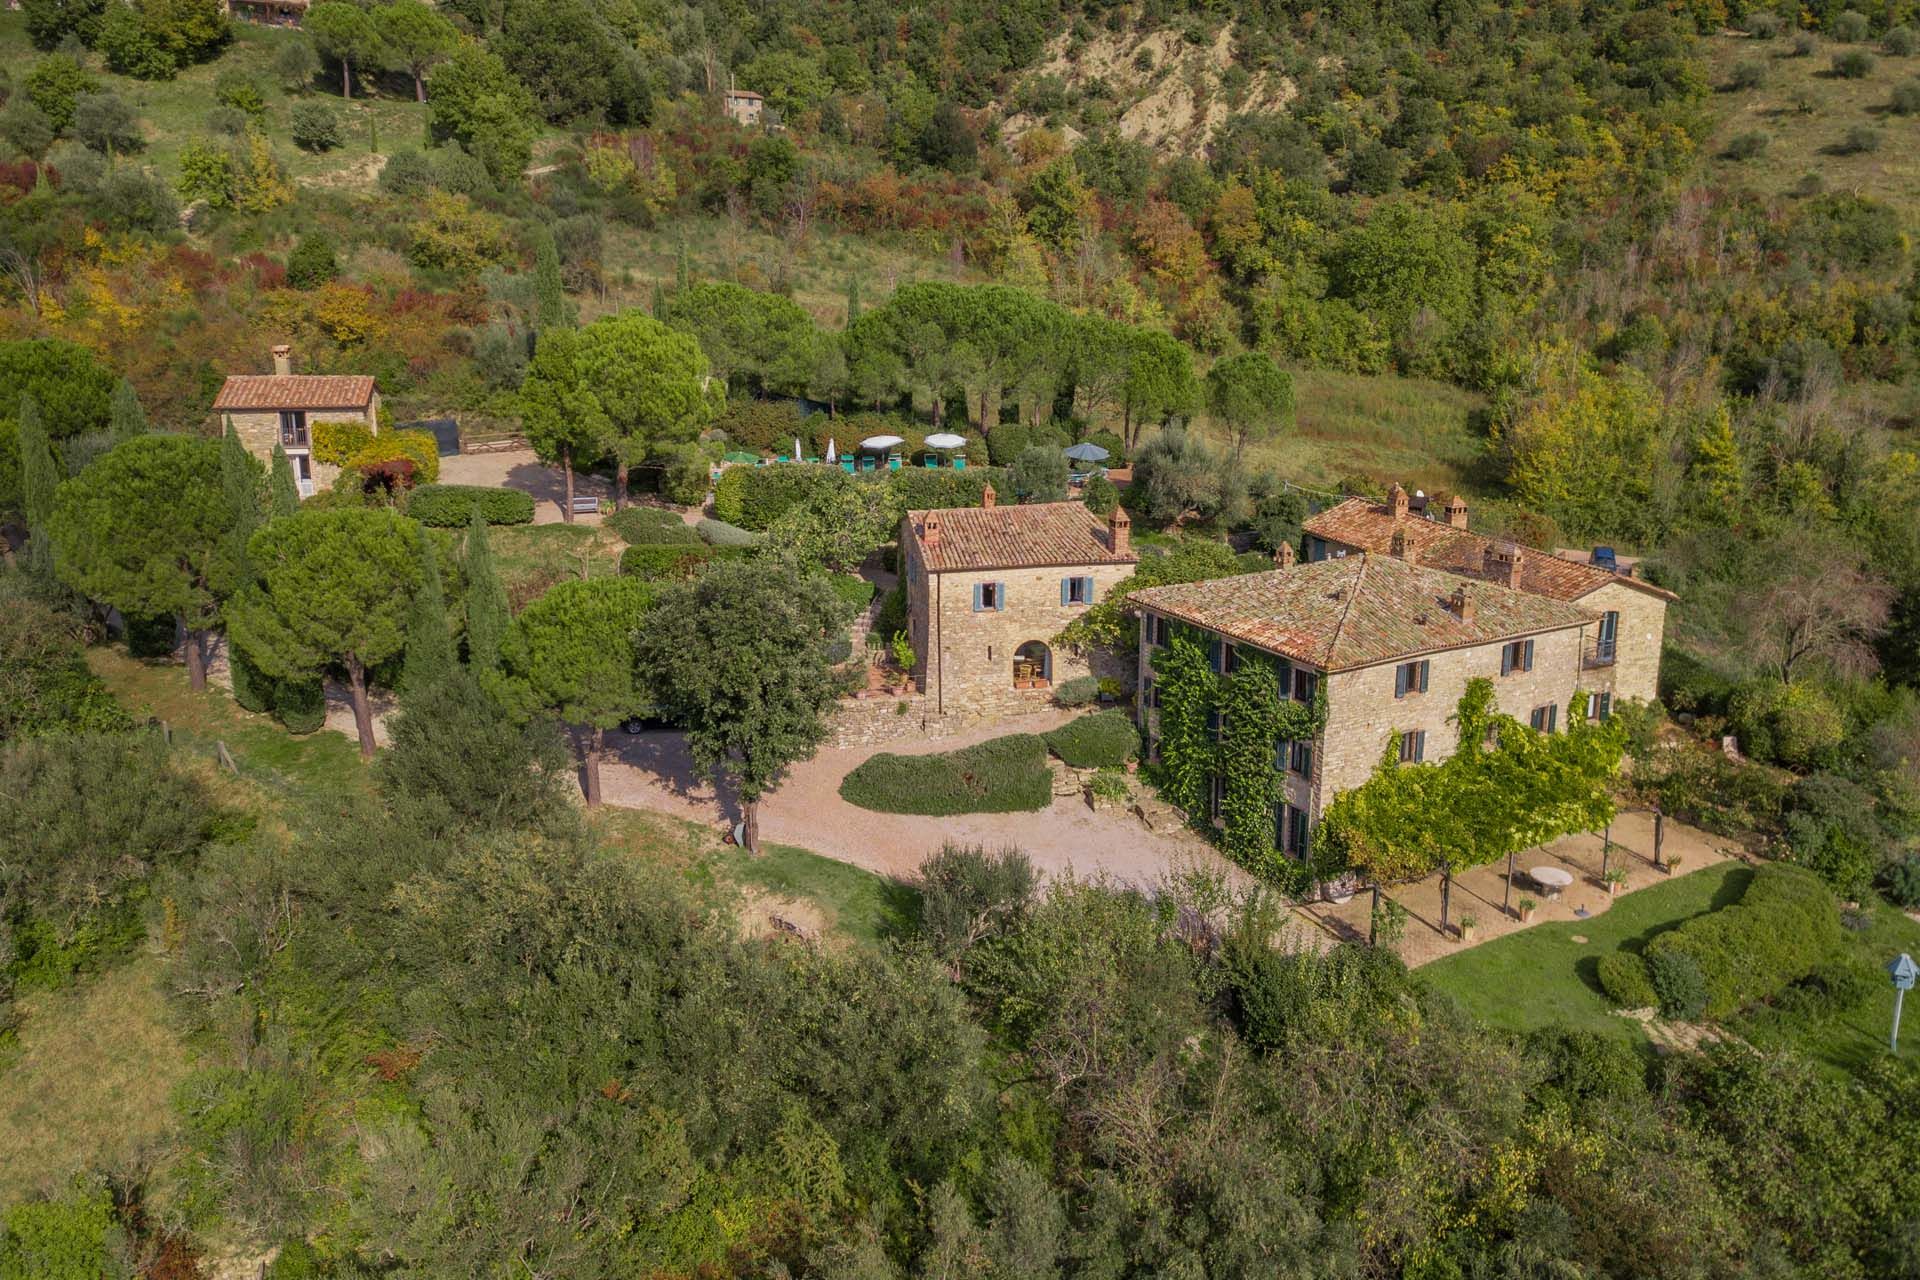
<point x="1188" y="689"/>
<point x="1255" y="722"/>
<point x="1507" y="788"/>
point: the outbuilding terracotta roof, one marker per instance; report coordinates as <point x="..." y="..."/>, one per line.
<point x="294" y="391"/>
<point x="1357" y="611"/>
<point x="1370" y="526"/>
<point x="1015" y="537"/>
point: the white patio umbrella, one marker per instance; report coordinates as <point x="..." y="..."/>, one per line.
<point x="945" y="440"/>
<point x="881" y="442"/>
<point x="831" y="455"/>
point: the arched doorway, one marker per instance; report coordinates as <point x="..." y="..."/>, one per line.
<point x="1032" y="666"/>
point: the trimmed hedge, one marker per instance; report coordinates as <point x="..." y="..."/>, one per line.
<point x="1784" y="928"/>
<point x="1077" y="692"/>
<point x="673" y="563"/>
<point x="852" y="590"/>
<point x="418" y="447"/>
<point x="1001" y="775"/>
<point x="450" y="506"/>
<point x="651" y="527"/>
<point x="721" y="534"/>
<point x="1623" y="976"/>
<point x="336" y="441"/>
<point x="1104" y="740"/>
<point x="923" y="489"/>
<point x="253" y="689"/>
<point x="300" y="705"/>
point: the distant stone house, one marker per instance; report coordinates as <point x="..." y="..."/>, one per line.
<point x="989" y="587"/>
<point x="743" y="106"/>
<point x="280" y="408"/>
<point x="271" y="13"/>
<point x="1391" y="645"/>
<point x="1622" y="658"/>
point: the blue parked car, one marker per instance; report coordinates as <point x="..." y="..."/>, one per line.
<point x="1603" y="558"/>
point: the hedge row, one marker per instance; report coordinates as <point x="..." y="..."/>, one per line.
<point x="754" y="497"/>
<point x="1104" y="740"/>
<point x="1785" y="926"/>
<point x="673" y="562"/>
<point x="1001" y="775"/>
<point x="651" y="527"/>
<point x="450" y="506"/>
<point x="721" y="534"/>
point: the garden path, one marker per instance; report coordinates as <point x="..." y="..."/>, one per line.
<point x="1481" y="891"/>
<point x="652" y="771"/>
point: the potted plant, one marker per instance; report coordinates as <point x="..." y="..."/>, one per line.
<point x="1468" y="923"/>
<point x="1340" y="889"/>
<point x="1615" y="880"/>
<point x="1527" y="907"/>
<point x="1672" y="865"/>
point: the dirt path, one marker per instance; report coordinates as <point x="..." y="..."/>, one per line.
<point x="653" y="772"/>
<point x="520" y="469"/>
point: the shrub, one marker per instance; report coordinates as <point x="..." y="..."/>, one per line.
<point x="418" y="447"/>
<point x="312" y="262"/>
<point x="1906" y="99"/>
<point x="66" y="1238"/>
<point x="336" y="441"/>
<point x="406" y="173"/>
<point x="893" y="611"/>
<point x="237" y="89"/>
<point x="921" y="489"/>
<point x="1006" y="442"/>
<point x="1679" y="988"/>
<point x="1854" y="64"/>
<point x="315" y="127"/>
<point x="1784" y="927"/>
<point x="1002" y="775"/>
<point x="1763" y="25"/>
<point x="1902" y="882"/>
<point x="46" y="685"/>
<point x="1796" y="725"/>
<point x="721" y="534"/>
<point x="762" y="425"/>
<point x="1746" y="146"/>
<point x="252" y="688"/>
<point x="1859" y="140"/>
<point x="651" y="527"/>
<point x="968" y="895"/>
<point x="1077" y="692"/>
<point x="855" y="592"/>
<point x="1039" y="475"/>
<point x="1100" y="495"/>
<point x="1849" y="25"/>
<point x="730" y="495"/>
<point x="454" y="747"/>
<point x="300" y="705"/>
<point x="1104" y="740"/>
<point x="152" y="637"/>
<point x="763" y="494"/>
<point x="450" y="506"/>
<point x="1899" y="42"/>
<point x="1804" y="46"/>
<point x="664" y="562"/>
<point x="1584" y="1065"/>
<point x="1750" y="74"/>
<point x="459" y="173"/>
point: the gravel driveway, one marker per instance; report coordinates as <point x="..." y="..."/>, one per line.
<point x="653" y="772"/>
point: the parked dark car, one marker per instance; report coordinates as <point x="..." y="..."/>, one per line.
<point x="1603" y="558"/>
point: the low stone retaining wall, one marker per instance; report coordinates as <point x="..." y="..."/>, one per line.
<point x="883" y="718"/>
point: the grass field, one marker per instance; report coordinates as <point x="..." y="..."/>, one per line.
<point x="865" y="907"/>
<point x="1849" y="1038"/>
<point x="532" y="557"/>
<point x="1541" y="977"/>
<point x="1389" y="428"/>
<point x="1805" y="111"/>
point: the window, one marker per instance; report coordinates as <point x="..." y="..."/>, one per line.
<point x="1076" y="590"/>
<point x="1410" y="677"/>
<point x="1413" y="746"/>
<point x="1215" y="794"/>
<point x="1600" y="706"/>
<point x="1546" y="719"/>
<point x="1304" y="684"/>
<point x="1604" y="646"/>
<point x="989" y="595"/>
<point x="1300" y="757"/>
<point x="1152" y="694"/>
<point x="1517" y="656"/>
<point x="1290" y="830"/>
<point x="1159" y="631"/>
<point x="1229" y="659"/>
<point x="293" y="428"/>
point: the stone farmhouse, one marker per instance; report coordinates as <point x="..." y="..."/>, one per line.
<point x="280" y="408"/>
<point x="1390" y="644"/>
<point x="1622" y="657"/>
<point x="987" y="589"/>
<point x="743" y="106"/>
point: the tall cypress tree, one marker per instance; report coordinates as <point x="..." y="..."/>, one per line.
<point x="549" y="293"/>
<point x="682" y="270"/>
<point x="240" y="487"/>
<point x="430" y="653"/>
<point x="487" y="610"/>
<point x="39" y="477"/>
<point x="283" y="495"/>
<point x="853" y="298"/>
<point x="126" y="418"/>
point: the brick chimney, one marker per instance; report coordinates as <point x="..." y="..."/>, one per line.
<point x="930" y="532"/>
<point x="1399" y="548"/>
<point x="987" y="496"/>
<point x="1120" y="532"/>
<point x="1500" y="563"/>
<point x="1397" y="501"/>
<point x="1461" y="604"/>
<point x="1284" y="557"/>
<point x="282" y="360"/>
<point x="1457" y="511"/>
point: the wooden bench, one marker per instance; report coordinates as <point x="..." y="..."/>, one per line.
<point x="586" y="506"/>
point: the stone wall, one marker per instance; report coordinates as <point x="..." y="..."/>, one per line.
<point x="883" y="719"/>
<point x="259" y="431"/>
<point x="1642" y="630"/>
<point x="1362" y="711"/>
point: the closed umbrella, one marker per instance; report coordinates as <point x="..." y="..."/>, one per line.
<point x="831" y="456"/>
<point x="1087" y="453"/>
<point x="797" y="455"/>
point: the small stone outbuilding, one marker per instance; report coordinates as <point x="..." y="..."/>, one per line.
<point x="988" y="589"/>
<point x="281" y="408"/>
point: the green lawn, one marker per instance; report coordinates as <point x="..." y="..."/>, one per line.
<point x="1847" y="1038"/>
<point x="866" y="907"/>
<point x="1541" y="977"/>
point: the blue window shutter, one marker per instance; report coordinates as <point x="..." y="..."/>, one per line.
<point x="1424" y="664"/>
<point x="1400" y="681"/>
<point x="1506" y="659"/>
<point x="1066" y="591"/>
<point x="1086" y="589"/>
<point x="977" y="589"/>
<point x="1526" y="662"/>
<point x="999" y="596"/>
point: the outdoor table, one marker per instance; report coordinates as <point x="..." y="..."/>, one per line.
<point x="1552" y="879"/>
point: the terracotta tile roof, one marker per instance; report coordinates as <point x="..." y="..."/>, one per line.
<point x="1357" y="611"/>
<point x="1370" y="526"/>
<point x="294" y="391"/>
<point x="1015" y="537"/>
